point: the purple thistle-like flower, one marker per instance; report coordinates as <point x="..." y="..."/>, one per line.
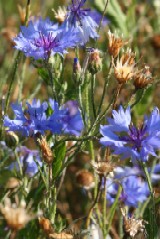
<point x="127" y="140"/>
<point x="79" y="21"/>
<point x="134" y="190"/>
<point x="42" y="38"/>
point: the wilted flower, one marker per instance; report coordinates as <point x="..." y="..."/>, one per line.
<point x="42" y="38"/>
<point x="143" y="78"/>
<point x="127" y="140"/>
<point x="16" y="216"/>
<point x="115" y="44"/>
<point x="79" y="21"/>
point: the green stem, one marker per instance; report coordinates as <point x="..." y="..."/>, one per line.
<point x="92" y="94"/>
<point x="139" y="98"/>
<point x="113" y="209"/>
<point x="104" y="209"/>
<point x="152" y="224"/>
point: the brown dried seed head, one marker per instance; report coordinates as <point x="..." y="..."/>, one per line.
<point x="60" y="14"/>
<point x="132" y="225"/>
<point x="46" y="150"/>
<point x="85" y="179"/>
<point x="124" y="71"/>
<point x="115" y="44"/>
<point x="128" y="57"/>
<point x="143" y="78"/>
<point x="103" y="168"/>
<point x="16" y="216"/>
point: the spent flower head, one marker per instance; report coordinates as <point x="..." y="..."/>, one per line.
<point x="130" y="141"/>
<point x="16" y="215"/>
<point x="115" y="44"/>
<point x="143" y="78"/>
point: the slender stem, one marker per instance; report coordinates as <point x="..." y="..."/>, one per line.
<point x="105" y="86"/>
<point x="92" y="94"/>
<point x="104" y="208"/>
<point x="104" y="12"/>
<point x="138" y="98"/>
<point x="112" y="210"/>
<point x="152" y="224"/>
<point x="14" y="70"/>
<point x="94" y="203"/>
<point x="119" y="88"/>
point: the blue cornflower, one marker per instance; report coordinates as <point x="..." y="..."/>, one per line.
<point x="127" y="140"/>
<point x="63" y="120"/>
<point x="134" y="190"/>
<point x="32" y="120"/>
<point x="27" y="161"/>
<point x="78" y="20"/>
<point x="69" y="116"/>
<point x="42" y="38"/>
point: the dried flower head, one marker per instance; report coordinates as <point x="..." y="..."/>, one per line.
<point x="132" y="225"/>
<point x="143" y="78"/>
<point x="46" y="150"/>
<point x="115" y="44"/>
<point x="60" y="14"/>
<point x="61" y="235"/>
<point x="103" y="168"/>
<point x="128" y="57"/>
<point x="123" y="69"/>
<point x="16" y="216"/>
<point x="85" y="179"/>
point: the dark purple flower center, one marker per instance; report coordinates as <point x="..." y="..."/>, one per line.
<point x="76" y="10"/>
<point x="47" y="42"/>
<point x="135" y="136"/>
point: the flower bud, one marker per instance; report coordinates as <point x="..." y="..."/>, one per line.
<point x="46" y="150"/>
<point x="94" y="62"/>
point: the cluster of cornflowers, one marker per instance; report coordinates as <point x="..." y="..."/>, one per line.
<point x="44" y="38"/>
<point x="34" y="119"/>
